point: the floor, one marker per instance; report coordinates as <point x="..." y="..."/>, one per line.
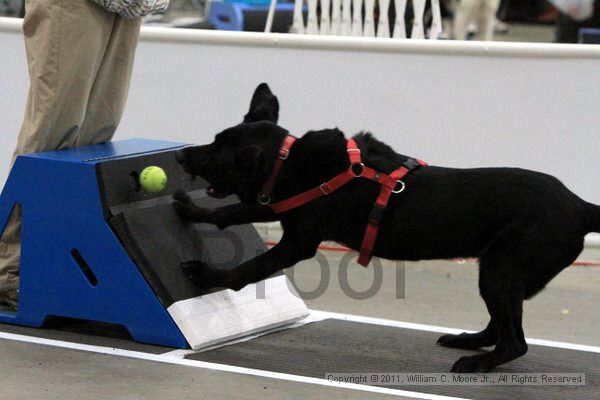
<point x="441" y="293"/>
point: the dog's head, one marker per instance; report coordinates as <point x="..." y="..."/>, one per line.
<point x="240" y="158"/>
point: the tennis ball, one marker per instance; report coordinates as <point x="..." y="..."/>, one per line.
<point x="153" y="179"/>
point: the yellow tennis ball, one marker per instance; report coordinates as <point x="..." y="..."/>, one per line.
<point x="153" y="179"/>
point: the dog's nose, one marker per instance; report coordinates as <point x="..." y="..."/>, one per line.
<point x="180" y="156"/>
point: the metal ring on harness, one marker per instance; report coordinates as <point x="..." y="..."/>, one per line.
<point x="402" y="187"/>
<point x="263" y="199"/>
<point x="284" y="153"/>
<point x="324" y="189"/>
<point x="362" y="168"/>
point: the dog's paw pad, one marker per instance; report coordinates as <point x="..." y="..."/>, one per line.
<point x="471" y="364"/>
<point x="461" y="341"/>
<point x="446" y="340"/>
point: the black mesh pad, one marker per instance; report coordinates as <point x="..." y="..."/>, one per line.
<point x="158" y="240"/>
<point x="155" y="238"/>
<point x="118" y="178"/>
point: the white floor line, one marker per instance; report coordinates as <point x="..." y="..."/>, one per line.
<point x="173" y="358"/>
<point x="178" y="356"/>
<point x="179" y="353"/>
<point x="441" y="329"/>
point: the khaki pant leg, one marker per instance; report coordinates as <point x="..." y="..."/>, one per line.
<point x="65" y="42"/>
<point x="109" y="92"/>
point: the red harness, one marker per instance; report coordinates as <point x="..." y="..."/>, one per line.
<point x="391" y="183"/>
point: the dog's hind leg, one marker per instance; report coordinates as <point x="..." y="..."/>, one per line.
<point x="504" y="300"/>
<point x="549" y="261"/>
<point x="502" y="288"/>
<point x="471" y="341"/>
<point x="516" y="265"/>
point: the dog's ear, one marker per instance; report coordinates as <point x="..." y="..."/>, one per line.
<point x="250" y="160"/>
<point x="264" y="106"/>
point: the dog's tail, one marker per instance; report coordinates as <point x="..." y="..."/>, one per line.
<point x="593" y="217"/>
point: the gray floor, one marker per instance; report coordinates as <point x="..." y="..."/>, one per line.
<point x="35" y="372"/>
<point x="527" y="33"/>
<point x="440" y="293"/>
<point x="334" y="346"/>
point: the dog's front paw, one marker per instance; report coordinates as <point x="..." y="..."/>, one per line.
<point x="204" y="276"/>
<point x="186" y="209"/>
<point x="181" y="197"/>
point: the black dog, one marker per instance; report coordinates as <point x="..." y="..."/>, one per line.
<point x="524" y="226"/>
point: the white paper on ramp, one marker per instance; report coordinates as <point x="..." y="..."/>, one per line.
<point x="221" y="316"/>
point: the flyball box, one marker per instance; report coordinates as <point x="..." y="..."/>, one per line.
<point x="96" y="246"/>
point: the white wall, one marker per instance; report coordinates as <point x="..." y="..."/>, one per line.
<point x="450" y="103"/>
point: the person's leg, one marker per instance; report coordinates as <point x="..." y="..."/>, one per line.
<point x="10" y="252"/>
<point x="65" y="42"/>
<point x="109" y="92"/>
<point x="567" y="29"/>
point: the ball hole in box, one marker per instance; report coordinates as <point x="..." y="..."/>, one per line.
<point x="135" y="181"/>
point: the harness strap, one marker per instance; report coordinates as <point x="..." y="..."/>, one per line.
<point x="376" y="215"/>
<point x="326" y="188"/>
<point x="391" y="183"/>
<point x="378" y="210"/>
<point x="323" y="189"/>
<point x="264" y="196"/>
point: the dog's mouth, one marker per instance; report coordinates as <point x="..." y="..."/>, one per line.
<point x="216" y="193"/>
<point x="211" y="190"/>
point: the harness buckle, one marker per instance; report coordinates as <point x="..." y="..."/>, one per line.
<point x="284" y="153"/>
<point x="411" y="164"/>
<point x="354" y="155"/>
<point x="400" y="189"/>
<point x="362" y="168"/>
<point x="322" y="188"/>
<point x="263" y="199"/>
